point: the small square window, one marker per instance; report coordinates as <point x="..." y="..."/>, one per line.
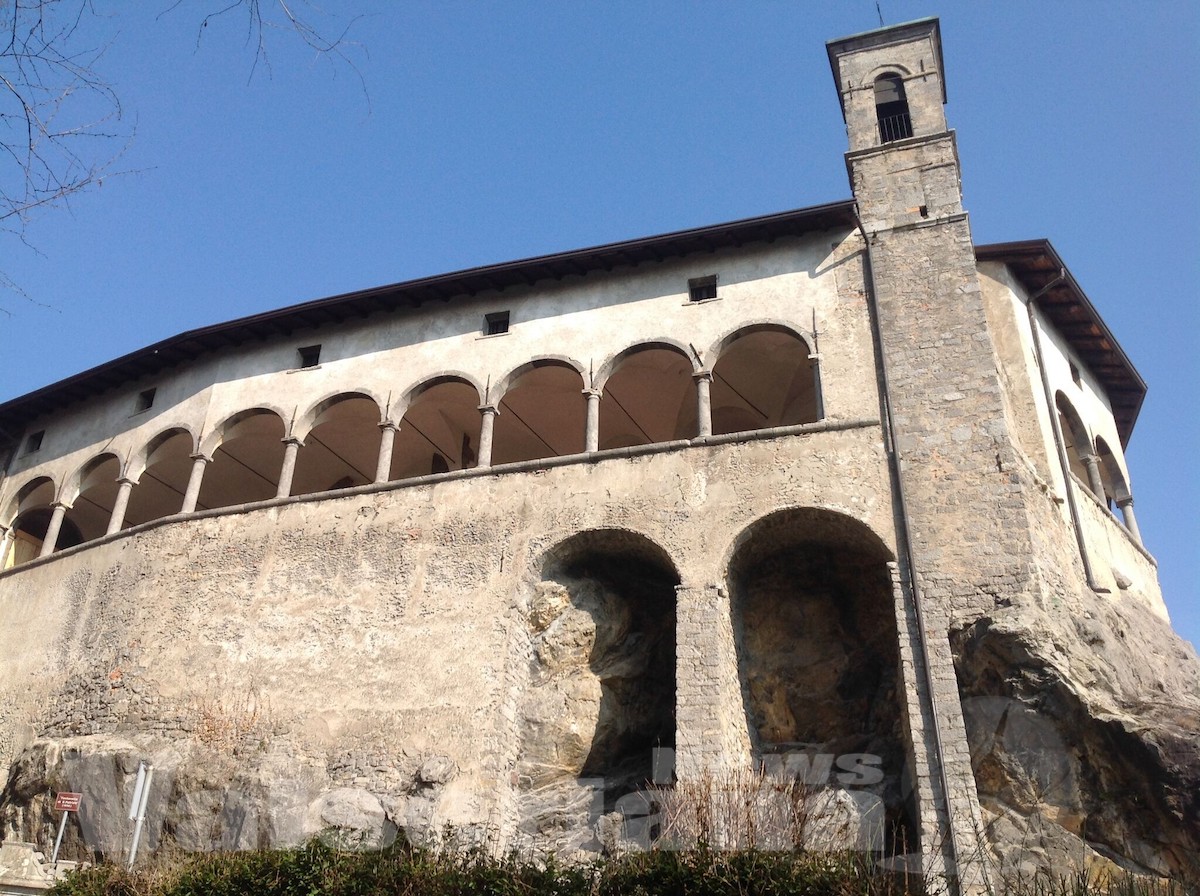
<point x="1075" y="377"/>
<point x="701" y="289"/>
<point x="310" y="355"/>
<point x="495" y="323"/>
<point x="145" y="401"/>
<point x="34" y="441"/>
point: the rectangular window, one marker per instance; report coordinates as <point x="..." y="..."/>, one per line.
<point x="310" y="356"/>
<point x="1075" y="377"/>
<point x="701" y="289"/>
<point x="495" y="323"/>
<point x="34" y="441"/>
<point x="145" y="401"/>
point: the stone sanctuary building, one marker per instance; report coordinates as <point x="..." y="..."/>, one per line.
<point x="833" y="492"/>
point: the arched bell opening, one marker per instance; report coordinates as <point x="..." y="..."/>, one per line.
<point x="818" y="661"/>
<point x="650" y="397"/>
<point x="763" y="378"/>
<point x="246" y="465"/>
<point x="92" y="508"/>
<point x="163" y="479"/>
<point x="601" y="698"/>
<point x="341" y="448"/>
<point x="542" y="413"/>
<point x="891" y="109"/>
<point x="440" y="430"/>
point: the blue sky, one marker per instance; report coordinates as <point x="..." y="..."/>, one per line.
<point x="499" y="131"/>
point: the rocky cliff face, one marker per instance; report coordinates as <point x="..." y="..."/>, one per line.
<point x="1085" y="738"/>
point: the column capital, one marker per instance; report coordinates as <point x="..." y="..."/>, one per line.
<point x="703" y="374"/>
<point x="292" y="440"/>
<point x="388" y="424"/>
<point x="590" y="393"/>
<point x="1125" y="501"/>
<point x="63" y="504"/>
<point x="125" y="480"/>
<point x="489" y="409"/>
<point x="201" y="456"/>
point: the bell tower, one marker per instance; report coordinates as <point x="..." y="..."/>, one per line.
<point x="959" y="501"/>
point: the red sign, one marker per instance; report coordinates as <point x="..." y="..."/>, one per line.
<point x="68" y="802"/>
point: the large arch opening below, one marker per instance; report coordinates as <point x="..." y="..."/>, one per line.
<point x="651" y="397"/>
<point x="341" y="449"/>
<point x="542" y="414"/>
<point x="601" y="698"/>
<point x="764" y="378"/>
<point x="818" y="661"/>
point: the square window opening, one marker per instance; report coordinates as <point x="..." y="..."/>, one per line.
<point x="701" y="289"/>
<point x="34" y="441"/>
<point x="1075" y="377"/>
<point x="495" y="323"/>
<point x="145" y="401"/>
<point x="310" y="355"/>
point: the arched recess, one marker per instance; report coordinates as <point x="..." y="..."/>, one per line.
<point x="440" y="430"/>
<point x="891" y="108"/>
<point x="95" y="492"/>
<point x="28" y="516"/>
<point x="601" y="696"/>
<point x="543" y="413"/>
<point x="341" y="448"/>
<point x="764" y="377"/>
<point x="161" y="471"/>
<point x="818" y="658"/>
<point x="650" y="396"/>
<point x="1116" y="489"/>
<point x="246" y="464"/>
<point x="1075" y="438"/>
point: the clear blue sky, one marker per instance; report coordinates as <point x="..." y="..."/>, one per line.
<point x="498" y="131"/>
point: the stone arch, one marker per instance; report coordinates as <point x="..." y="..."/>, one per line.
<point x="818" y="658"/>
<point x="442" y="377"/>
<point x="649" y="395"/>
<point x="439" y="429"/>
<point x="764" y="376"/>
<point x="1116" y="488"/>
<point x="542" y="411"/>
<point x="315" y="415"/>
<point x="610" y="365"/>
<point x="601" y="695"/>
<point x="341" y="443"/>
<point x="247" y="457"/>
<point x="161" y="470"/>
<point x="90" y="494"/>
<point x="1075" y="439"/>
<point x="27" y="516"/>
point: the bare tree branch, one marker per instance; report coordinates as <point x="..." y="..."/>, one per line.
<point x="61" y="121"/>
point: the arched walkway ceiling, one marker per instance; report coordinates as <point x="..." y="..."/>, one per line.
<point x="246" y="466"/>
<point x="161" y="485"/>
<point x="763" y="379"/>
<point x="439" y="432"/>
<point x="651" y="397"/>
<point x="341" y="450"/>
<point x="568" y="553"/>
<point x="542" y="414"/>
<point x="92" y="508"/>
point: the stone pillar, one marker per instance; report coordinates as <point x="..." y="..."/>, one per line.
<point x="6" y="540"/>
<point x="192" y="495"/>
<point x="591" y="432"/>
<point x="711" y="734"/>
<point x="1095" y="482"/>
<point x="117" y="519"/>
<point x="486" y="425"/>
<point x="818" y="392"/>
<point x="387" y="439"/>
<point x="704" y="380"/>
<point x="1125" y="505"/>
<point x="56" y="520"/>
<point x="291" y="448"/>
